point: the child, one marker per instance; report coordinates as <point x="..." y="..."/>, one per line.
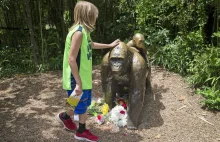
<point x="77" y="66"/>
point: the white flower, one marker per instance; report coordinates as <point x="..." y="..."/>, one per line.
<point x="122" y="123"/>
<point x="118" y="116"/>
<point x="99" y="100"/>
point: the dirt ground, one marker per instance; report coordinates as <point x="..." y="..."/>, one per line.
<point x="172" y="113"/>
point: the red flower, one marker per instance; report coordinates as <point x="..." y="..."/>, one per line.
<point x="122" y="112"/>
<point x="99" y="117"/>
<point x="122" y="103"/>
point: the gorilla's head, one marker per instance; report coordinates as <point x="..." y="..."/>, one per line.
<point x="138" y="40"/>
<point x="119" y="58"/>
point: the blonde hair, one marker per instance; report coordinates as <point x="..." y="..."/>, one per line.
<point x="85" y="13"/>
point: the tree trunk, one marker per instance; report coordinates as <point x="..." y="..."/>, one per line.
<point x="41" y="31"/>
<point x="62" y="25"/>
<point x="31" y="31"/>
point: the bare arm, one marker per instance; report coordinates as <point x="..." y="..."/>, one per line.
<point x="96" y="45"/>
<point x="74" y="49"/>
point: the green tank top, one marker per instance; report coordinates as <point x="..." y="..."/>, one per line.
<point x="84" y="61"/>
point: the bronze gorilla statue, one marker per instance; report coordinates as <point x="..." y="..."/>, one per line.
<point x="125" y="70"/>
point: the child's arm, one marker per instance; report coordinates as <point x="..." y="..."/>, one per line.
<point x="96" y="45"/>
<point x="74" y="49"/>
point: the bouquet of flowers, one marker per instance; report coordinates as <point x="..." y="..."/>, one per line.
<point x="118" y="116"/>
<point x="99" y="110"/>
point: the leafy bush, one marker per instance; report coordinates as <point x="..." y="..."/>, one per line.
<point x="200" y="62"/>
<point x="212" y="97"/>
<point x="205" y="66"/>
<point x="14" y="61"/>
<point x="179" y="53"/>
<point x="56" y="63"/>
<point x="204" y="70"/>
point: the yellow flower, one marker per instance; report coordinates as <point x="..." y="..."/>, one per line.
<point x="105" y="109"/>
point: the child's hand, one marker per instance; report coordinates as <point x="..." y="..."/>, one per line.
<point x="115" y="43"/>
<point x="78" y="90"/>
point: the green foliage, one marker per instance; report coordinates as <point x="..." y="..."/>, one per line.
<point x="123" y="27"/>
<point x="173" y="15"/>
<point x="216" y="38"/>
<point x="179" y="53"/>
<point x="174" y="33"/>
<point x="14" y="61"/>
<point x="212" y="97"/>
<point x="204" y="69"/>
<point x="97" y="56"/>
<point x="66" y="17"/>
<point x="95" y="108"/>
<point x="56" y="63"/>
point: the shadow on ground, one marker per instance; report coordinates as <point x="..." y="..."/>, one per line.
<point x="151" y="116"/>
<point x="28" y="109"/>
<point x="28" y="106"/>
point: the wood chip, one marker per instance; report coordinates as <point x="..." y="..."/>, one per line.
<point x="157" y="136"/>
<point x="188" y="103"/>
<point x="202" y="118"/>
<point x="181" y="107"/>
<point x="182" y="98"/>
<point x="204" y="114"/>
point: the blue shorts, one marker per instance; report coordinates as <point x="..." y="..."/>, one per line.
<point x="84" y="102"/>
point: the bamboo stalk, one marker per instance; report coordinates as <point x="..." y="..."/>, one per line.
<point x="41" y="32"/>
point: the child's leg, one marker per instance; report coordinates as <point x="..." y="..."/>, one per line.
<point x="69" y="111"/>
<point x="82" y="118"/>
<point x="65" y="117"/>
<point x="82" y="123"/>
<point x="81" y="109"/>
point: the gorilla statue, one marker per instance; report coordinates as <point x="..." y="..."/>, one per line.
<point x="125" y="70"/>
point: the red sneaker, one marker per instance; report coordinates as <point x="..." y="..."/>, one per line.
<point x="87" y="135"/>
<point x="68" y="124"/>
